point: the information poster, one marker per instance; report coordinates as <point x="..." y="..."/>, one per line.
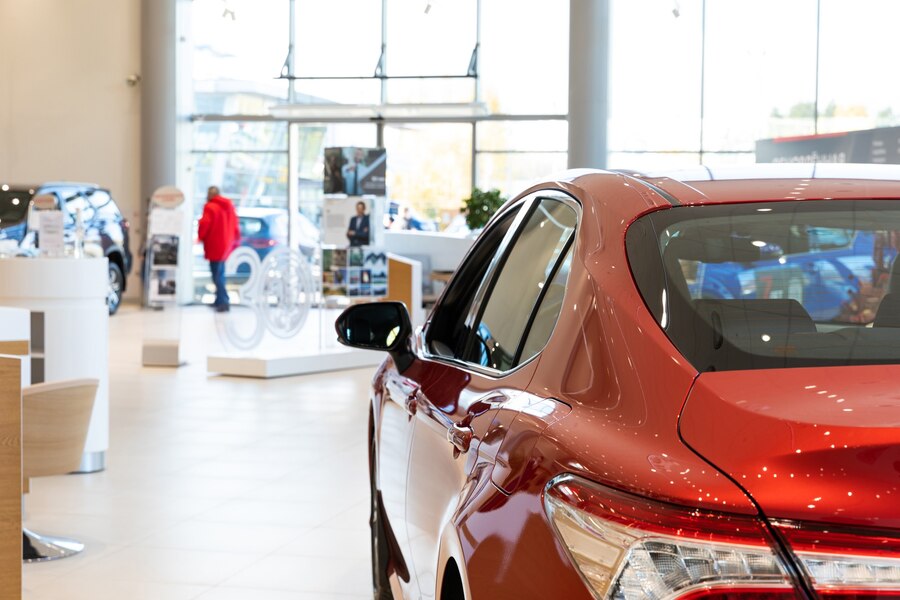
<point x="355" y="171"/>
<point x="352" y="221"/>
<point x="163" y="268"/>
<point x="359" y="271"/>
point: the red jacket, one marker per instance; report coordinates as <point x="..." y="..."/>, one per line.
<point x="218" y="228"/>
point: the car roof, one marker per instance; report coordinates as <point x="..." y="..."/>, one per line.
<point x="765" y="182"/>
<point x="69" y="184"/>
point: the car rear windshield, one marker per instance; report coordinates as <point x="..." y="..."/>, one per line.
<point x="773" y="284"/>
<point x="13" y="206"/>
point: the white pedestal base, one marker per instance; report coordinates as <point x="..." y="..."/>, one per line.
<point x="285" y="366"/>
<point x="161" y="353"/>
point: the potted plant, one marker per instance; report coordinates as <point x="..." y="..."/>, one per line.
<point x="481" y="206"/>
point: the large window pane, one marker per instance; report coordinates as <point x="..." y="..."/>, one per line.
<point x="524" y="57"/>
<point x="337" y="37"/>
<point x="240" y="135"/>
<point x="650" y="161"/>
<point x="520" y="136"/>
<point x="858" y="47"/>
<point x="248" y="178"/>
<point x="513" y="172"/>
<point x="654" y="87"/>
<point x="404" y="91"/>
<point x="429" y="166"/>
<point x="438" y="41"/>
<point x="760" y="72"/>
<point x="239" y="49"/>
<point x="340" y="91"/>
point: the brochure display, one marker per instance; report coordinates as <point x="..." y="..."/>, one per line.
<point x="166" y="225"/>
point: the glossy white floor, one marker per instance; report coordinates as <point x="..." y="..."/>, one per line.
<point x="217" y="488"/>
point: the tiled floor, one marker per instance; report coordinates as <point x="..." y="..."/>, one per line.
<point x="217" y="488"/>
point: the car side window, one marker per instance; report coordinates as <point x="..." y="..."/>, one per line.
<point x="548" y="310"/>
<point x="104" y="205"/>
<point x="526" y="279"/>
<point x="447" y="331"/>
<point x="76" y="202"/>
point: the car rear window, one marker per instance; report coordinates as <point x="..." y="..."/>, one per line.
<point x="773" y="284"/>
<point x="13" y="206"/>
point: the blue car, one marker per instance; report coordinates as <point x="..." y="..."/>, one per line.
<point x="826" y="277"/>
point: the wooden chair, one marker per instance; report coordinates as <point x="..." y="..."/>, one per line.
<point x="55" y="419"/>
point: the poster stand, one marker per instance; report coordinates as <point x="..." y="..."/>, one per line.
<point x="165" y="228"/>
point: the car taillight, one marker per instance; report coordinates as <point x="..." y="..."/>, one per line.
<point x="846" y="563"/>
<point x="629" y="547"/>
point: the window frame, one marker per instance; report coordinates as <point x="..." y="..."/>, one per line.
<point x="527" y="206"/>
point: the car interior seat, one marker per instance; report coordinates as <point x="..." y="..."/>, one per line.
<point x="888" y="314"/>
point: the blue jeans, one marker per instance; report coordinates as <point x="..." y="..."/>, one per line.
<point x="217" y="268"/>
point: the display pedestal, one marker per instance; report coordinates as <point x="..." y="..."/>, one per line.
<point x="69" y="330"/>
<point x="285" y="366"/>
<point x="161" y="353"/>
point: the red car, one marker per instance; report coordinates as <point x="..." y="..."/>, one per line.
<point x="573" y="421"/>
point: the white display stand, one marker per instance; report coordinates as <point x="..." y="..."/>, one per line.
<point x="68" y="296"/>
<point x="167" y="226"/>
<point x="15" y="327"/>
<point x="285" y="366"/>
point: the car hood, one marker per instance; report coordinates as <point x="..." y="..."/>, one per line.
<point x="817" y="444"/>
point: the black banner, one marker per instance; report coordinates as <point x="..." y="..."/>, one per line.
<point x="874" y="146"/>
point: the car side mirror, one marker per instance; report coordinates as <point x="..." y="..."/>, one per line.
<point x="381" y="326"/>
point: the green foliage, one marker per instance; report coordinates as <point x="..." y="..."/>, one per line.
<point x="480" y="207"/>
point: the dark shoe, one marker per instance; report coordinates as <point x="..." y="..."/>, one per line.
<point x="222" y="308"/>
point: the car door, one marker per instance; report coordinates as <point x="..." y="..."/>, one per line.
<point x="481" y="364"/>
<point x="431" y="382"/>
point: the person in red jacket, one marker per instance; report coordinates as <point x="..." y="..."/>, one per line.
<point x="219" y="232"/>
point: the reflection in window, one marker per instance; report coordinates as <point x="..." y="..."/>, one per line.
<point x="520" y="284"/>
<point x="790" y="287"/>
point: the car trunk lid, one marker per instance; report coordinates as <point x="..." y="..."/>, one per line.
<point x="813" y="444"/>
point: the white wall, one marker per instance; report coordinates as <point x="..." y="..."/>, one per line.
<point x="65" y="109"/>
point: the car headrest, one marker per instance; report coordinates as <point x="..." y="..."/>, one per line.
<point x="894" y="283"/>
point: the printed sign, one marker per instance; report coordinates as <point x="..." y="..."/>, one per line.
<point x="167" y="196"/>
<point x="51" y="233"/>
<point x="355" y="171"/>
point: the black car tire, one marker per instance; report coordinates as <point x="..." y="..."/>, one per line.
<point x="116" y="285"/>
<point x="381" y="586"/>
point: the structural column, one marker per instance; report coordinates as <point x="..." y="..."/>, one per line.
<point x="165" y="106"/>
<point x="158" y="95"/>
<point x="588" y="82"/>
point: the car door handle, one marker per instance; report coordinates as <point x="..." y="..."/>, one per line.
<point x="460" y="437"/>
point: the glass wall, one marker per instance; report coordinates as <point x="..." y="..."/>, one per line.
<point x="371" y="52"/>
<point x="699" y="81"/>
<point x="691" y="82"/>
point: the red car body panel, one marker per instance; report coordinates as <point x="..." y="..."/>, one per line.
<point x="808" y="444"/>
<point x="611" y="399"/>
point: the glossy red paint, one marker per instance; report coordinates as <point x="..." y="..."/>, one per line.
<point x="611" y="400"/>
<point x="809" y="444"/>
